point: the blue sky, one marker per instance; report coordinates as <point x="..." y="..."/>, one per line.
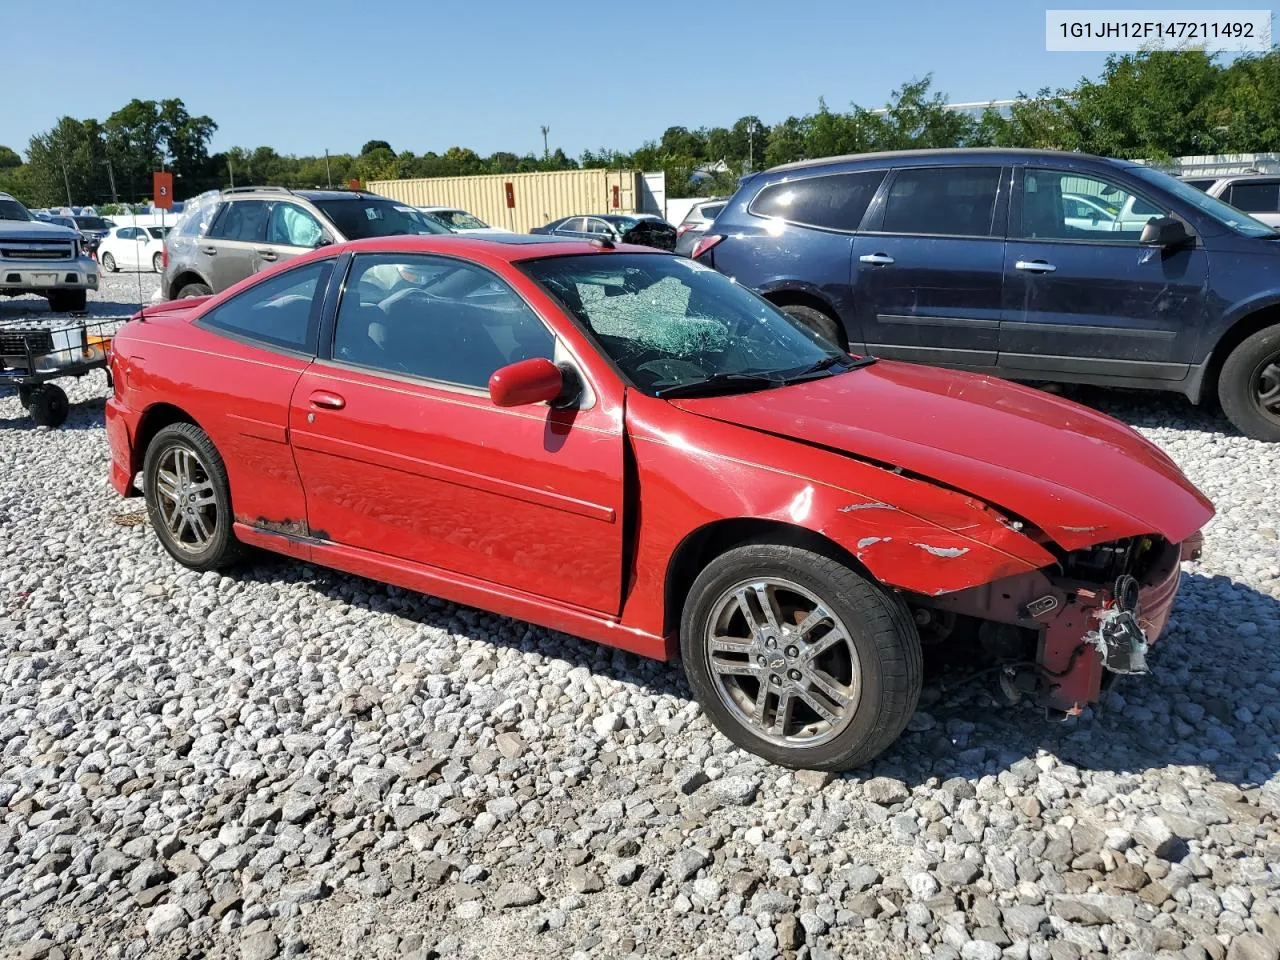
<point x="486" y="74"/>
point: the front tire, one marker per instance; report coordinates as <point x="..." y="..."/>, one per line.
<point x="47" y="403"/>
<point x="797" y="658"/>
<point x="1249" y="385"/>
<point x="157" y="263"/>
<point x="189" y="499"/>
<point x="816" y="321"/>
<point x="109" y="263"/>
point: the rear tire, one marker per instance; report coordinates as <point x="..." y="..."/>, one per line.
<point x="193" y="290"/>
<point x="1249" y="386"/>
<point x="816" y="321"/>
<point x="863" y="647"/>
<point x="189" y="498"/>
<point x="157" y="263"/>
<point x="67" y="301"/>
<point x="109" y="263"/>
<point x="47" y="404"/>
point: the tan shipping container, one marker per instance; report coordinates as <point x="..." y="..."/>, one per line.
<point x="539" y="197"/>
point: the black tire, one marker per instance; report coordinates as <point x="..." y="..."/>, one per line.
<point x="193" y="290"/>
<point x="47" y="404"/>
<point x="221" y="549"/>
<point x="883" y="634"/>
<point x="24" y="397"/>
<point x="157" y="263"/>
<point x="109" y="263"/>
<point x="820" y="323"/>
<point x="67" y="301"/>
<point x="1249" y="386"/>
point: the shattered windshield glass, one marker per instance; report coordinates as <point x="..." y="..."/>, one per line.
<point x="673" y="325"/>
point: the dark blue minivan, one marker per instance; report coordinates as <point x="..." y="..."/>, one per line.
<point x="1028" y="264"/>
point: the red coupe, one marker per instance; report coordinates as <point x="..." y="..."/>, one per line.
<point x="624" y="445"/>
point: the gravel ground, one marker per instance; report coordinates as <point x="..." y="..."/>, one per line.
<point x="292" y="761"/>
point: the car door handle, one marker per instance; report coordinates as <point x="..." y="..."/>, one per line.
<point x="879" y="259"/>
<point x="326" y="400"/>
<point x="1035" y="266"/>
<point x="269" y="255"/>
<point x="211" y="251"/>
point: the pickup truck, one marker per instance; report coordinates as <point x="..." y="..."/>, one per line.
<point x="43" y="259"/>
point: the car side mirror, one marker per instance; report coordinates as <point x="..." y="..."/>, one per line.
<point x="324" y="241"/>
<point x="536" y="380"/>
<point x="1164" y="232"/>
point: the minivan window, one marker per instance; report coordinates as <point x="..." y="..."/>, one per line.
<point x="835" y="201"/>
<point x="946" y="201"/>
<point x="1064" y="205"/>
<point x="1255" y="196"/>
<point x="1223" y="213"/>
<point x="361" y="217"/>
<point x="243" y="220"/>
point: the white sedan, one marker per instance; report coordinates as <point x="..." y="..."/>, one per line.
<point x="132" y="247"/>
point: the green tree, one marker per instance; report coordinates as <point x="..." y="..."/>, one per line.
<point x="372" y="145"/>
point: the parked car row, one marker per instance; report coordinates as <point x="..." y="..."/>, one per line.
<point x="1030" y="265"/>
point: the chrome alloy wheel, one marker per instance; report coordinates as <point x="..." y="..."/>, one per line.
<point x="782" y="662"/>
<point x="186" y="499"/>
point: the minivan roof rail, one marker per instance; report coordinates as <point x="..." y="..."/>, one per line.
<point x="264" y="188"/>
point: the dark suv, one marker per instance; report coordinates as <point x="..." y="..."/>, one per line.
<point x="1033" y="265"/>
<point x="250" y="228"/>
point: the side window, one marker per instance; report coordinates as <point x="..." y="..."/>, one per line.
<point x="836" y="202"/>
<point x="291" y="226"/>
<point x="128" y="233"/>
<point x="282" y="312"/>
<point x="1255" y="197"/>
<point x="244" y="220"/>
<point x="574" y="225"/>
<point x="945" y="201"/>
<point x="598" y="227"/>
<point x="436" y="318"/>
<point x="1114" y="213"/>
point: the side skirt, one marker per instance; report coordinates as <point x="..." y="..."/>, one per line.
<point x="459" y="588"/>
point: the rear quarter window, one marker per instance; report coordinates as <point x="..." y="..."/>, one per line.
<point x="833" y="202"/>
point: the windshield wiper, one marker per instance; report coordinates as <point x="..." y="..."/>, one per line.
<point x="826" y="363"/>
<point x="719" y="383"/>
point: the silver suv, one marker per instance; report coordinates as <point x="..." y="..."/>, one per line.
<point x="43" y="258"/>
<point x="249" y="229"/>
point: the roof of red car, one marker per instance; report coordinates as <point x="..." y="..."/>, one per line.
<point x="511" y="248"/>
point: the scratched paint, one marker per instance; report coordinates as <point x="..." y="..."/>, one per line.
<point x="873" y="505"/>
<point x="948" y="552"/>
<point x="868" y="541"/>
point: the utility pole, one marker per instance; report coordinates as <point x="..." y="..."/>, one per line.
<point x="751" y="146"/>
<point x="328" y="176"/>
<point x="231" y="170"/>
<point x="111" y="173"/>
<point x="546" y="153"/>
<point x="66" y="181"/>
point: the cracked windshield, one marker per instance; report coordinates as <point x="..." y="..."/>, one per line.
<point x="675" y="327"/>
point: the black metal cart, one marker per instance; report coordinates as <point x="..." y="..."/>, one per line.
<point x="35" y="351"/>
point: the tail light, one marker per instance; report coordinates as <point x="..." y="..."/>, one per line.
<point x="683" y="229"/>
<point x="704" y="244"/>
<point x="164" y="257"/>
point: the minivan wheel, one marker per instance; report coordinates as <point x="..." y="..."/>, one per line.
<point x="1249" y="385"/>
<point x="799" y="659"/>
<point x="817" y="321"/>
<point x="188" y="498"/>
<point x="193" y="290"/>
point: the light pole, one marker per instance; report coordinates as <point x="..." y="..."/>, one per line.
<point x="546" y="152"/>
<point x="751" y="146"/>
<point x="111" y="174"/>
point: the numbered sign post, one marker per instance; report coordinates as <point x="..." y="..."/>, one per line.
<point x="162" y="189"/>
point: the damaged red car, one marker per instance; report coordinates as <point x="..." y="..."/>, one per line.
<point x="624" y="445"/>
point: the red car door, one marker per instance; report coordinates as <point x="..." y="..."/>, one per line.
<point x="250" y="351"/>
<point x="402" y="453"/>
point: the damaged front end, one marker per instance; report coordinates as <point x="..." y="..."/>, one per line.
<point x="1062" y="633"/>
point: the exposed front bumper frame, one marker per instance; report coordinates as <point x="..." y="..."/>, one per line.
<point x="1067" y="615"/>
